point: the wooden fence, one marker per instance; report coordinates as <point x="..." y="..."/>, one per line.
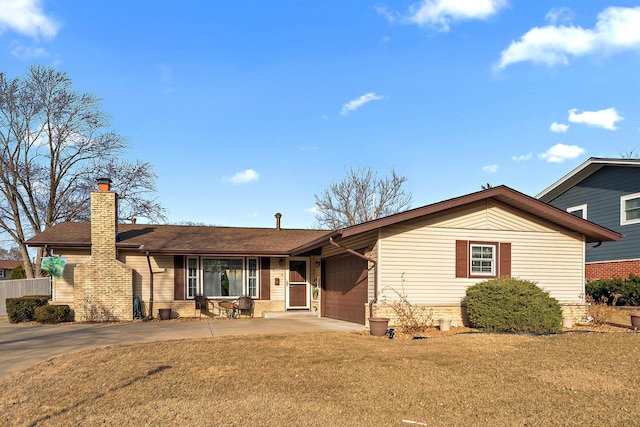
<point x="22" y="287"/>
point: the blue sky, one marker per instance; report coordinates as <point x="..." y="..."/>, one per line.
<point x="248" y="108"/>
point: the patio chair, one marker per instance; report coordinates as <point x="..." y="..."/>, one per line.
<point x="201" y="303"/>
<point x="245" y="304"/>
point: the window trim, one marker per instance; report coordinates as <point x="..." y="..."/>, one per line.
<point x="196" y="277"/>
<point x="623" y="210"/>
<point x="199" y="276"/>
<point x="582" y="208"/>
<point x="249" y="277"/>
<point x="502" y="259"/>
<point x="494" y="259"/>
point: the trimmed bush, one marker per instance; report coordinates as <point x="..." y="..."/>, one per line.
<point x="52" y="313"/>
<point x="615" y="291"/>
<point x="513" y="305"/>
<point x="23" y="309"/>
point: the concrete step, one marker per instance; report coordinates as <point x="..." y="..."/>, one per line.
<point x="288" y="314"/>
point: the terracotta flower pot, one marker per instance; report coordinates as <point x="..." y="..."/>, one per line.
<point x="635" y="320"/>
<point x="378" y="326"/>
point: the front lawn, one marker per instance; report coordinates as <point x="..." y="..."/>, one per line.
<point x="337" y="379"/>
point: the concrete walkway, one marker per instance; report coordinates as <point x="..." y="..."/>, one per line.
<point x="23" y="345"/>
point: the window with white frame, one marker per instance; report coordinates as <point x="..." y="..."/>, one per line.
<point x="483" y="259"/>
<point x="1" y="272"/>
<point x="252" y="277"/>
<point x="222" y="277"/>
<point x="192" y="277"/>
<point x="630" y="209"/>
<point x="579" y="211"/>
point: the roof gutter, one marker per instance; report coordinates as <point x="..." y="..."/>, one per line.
<point x="375" y="272"/>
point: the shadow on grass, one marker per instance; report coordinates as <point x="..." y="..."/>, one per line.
<point x="103" y="394"/>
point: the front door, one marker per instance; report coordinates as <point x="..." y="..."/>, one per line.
<point x="298" y="284"/>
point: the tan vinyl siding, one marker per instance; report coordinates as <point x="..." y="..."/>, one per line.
<point x="162" y="275"/>
<point x="63" y="287"/>
<point x="363" y="241"/>
<point x="278" y="272"/>
<point x="418" y="259"/>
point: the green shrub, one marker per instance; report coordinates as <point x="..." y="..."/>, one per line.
<point x="52" y="313"/>
<point x="615" y="291"/>
<point x="512" y="305"/>
<point x="23" y="309"/>
<point x="18" y="273"/>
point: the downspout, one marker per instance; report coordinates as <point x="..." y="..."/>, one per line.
<point x="375" y="272"/>
<point x="593" y="247"/>
<point x="150" y="286"/>
<point x="150" y="315"/>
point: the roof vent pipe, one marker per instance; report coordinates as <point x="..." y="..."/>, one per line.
<point x="278" y="216"/>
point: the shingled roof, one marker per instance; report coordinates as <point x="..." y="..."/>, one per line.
<point x="8" y="264"/>
<point x="183" y="239"/>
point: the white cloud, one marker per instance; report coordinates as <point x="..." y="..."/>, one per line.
<point x="560" y="152"/>
<point x="615" y="30"/>
<point x="522" y="158"/>
<point x="441" y="13"/>
<point x="26" y="17"/>
<point x="244" y="177"/>
<point x="313" y="210"/>
<point x="605" y="119"/>
<point x="354" y="104"/>
<point x="490" y="168"/>
<point x="559" y="14"/>
<point x="25" y="53"/>
<point x="558" y="127"/>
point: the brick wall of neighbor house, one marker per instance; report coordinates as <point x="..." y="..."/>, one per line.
<point x="103" y="288"/>
<point x="609" y="270"/>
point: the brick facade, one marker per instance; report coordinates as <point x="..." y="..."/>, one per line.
<point x="103" y="286"/>
<point x="609" y="270"/>
<point x="458" y="313"/>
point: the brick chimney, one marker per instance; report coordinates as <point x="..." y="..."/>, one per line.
<point x="103" y="288"/>
<point x="104" y="221"/>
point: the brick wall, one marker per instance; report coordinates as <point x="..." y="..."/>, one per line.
<point x="458" y="313"/>
<point x="609" y="270"/>
<point x="103" y="286"/>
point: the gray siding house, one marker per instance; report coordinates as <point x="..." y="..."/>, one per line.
<point x="605" y="191"/>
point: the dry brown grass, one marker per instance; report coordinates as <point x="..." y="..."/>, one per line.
<point x="337" y="379"/>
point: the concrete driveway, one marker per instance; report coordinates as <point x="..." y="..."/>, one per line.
<point x="23" y="345"/>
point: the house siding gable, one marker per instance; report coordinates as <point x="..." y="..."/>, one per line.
<point x="419" y="259"/>
<point x="601" y="192"/>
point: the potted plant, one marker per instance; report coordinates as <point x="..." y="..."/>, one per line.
<point x="315" y="290"/>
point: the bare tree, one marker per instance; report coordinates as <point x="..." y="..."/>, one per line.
<point x="360" y="197"/>
<point x="11" y="254"/>
<point x="630" y="154"/>
<point x="54" y="143"/>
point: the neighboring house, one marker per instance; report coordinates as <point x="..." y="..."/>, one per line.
<point x="431" y="254"/>
<point x="6" y="267"/>
<point x="607" y="192"/>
